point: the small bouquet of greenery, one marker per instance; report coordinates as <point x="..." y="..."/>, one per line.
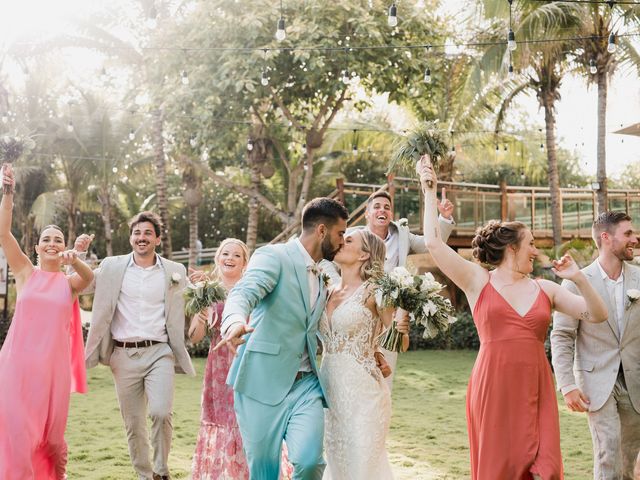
<point x="418" y="295"/>
<point x="11" y="148"/>
<point x="426" y="140"/>
<point x="202" y="294"/>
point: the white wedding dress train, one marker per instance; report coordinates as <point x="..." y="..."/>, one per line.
<point x="359" y="413"/>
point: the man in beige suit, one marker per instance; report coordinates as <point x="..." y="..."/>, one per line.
<point x="137" y="328"/>
<point x="597" y="366"/>
<point x="399" y="241"/>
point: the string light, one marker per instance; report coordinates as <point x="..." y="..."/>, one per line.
<point x="392" y="19"/>
<point x="511" y="73"/>
<point x="281" y="34"/>
<point x="70" y="126"/>
<point x="132" y="134"/>
<point x="103" y="75"/>
<point x="611" y="47"/>
<point x="542" y="147"/>
<point x="250" y="145"/>
<point x="354" y="149"/>
<point x="511" y="37"/>
<point x="193" y="141"/>
<point x="184" y="78"/>
<point x="427" y="75"/>
<point x="264" y="79"/>
<point x="593" y="68"/>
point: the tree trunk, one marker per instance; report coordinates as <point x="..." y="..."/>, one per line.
<point x="193" y="235"/>
<point x="306" y="182"/>
<point x="161" y="182"/>
<point x="552" y="168"/>
<point x="601" y="174"/>
<point x="254" y="211"/>
<point x="105" y="214"/>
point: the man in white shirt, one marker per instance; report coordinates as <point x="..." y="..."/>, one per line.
<point x="597" y="365"/>
<point x="137" y="328"/>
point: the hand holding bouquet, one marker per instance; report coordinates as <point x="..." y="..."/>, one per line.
<point x="202" y="294"/>
<point x="418" y="295"/>
<point x="11" y="148"/>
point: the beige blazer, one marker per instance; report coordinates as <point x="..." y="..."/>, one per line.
<point x="588" y="355"/>
<point x="107" y="285"/>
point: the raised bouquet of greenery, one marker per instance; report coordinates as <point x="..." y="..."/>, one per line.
<point x="11" y="148"/>
<point x="418" y="295"/>
<point x="426" y="140"/>
<point x="202" y="294"/>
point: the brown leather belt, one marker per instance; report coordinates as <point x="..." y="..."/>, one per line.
<point x="140" y="344"/>
<point x="301" y="375"/>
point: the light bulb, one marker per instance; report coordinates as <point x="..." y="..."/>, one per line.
<point x="511" y="73"/>
<point x="264" y="80"/>
<point x="392" y="19"/>
<point x="541" y="147"/>
<point x="611" y="48"/>
<point x="193" y="142"/>
<point x="511" y="41"/>
<point x="114" y="169"/>
<point x="354" y="150"/>
<point x="427" y="75"/>
<point x="280" y="32"/>
<point x="184" y="78"/>
<point x="70" y="127"/>
<point x="345" y="76"/>
<point x="593" y="68"/>
<point x="132" y="134"/>
<point x="250" y="145"/>
<point x="103" y="75"/>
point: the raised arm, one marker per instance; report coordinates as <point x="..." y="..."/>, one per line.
<point x="17" y="260"/>
<point x="588" y="306"/>
<point x="82" y="276"/>
<point x="468" y="276"/>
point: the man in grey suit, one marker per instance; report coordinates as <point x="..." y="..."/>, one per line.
<point x="597" y="366"/>
<point x="400" y="242"/>
<point x="137" y="328"/>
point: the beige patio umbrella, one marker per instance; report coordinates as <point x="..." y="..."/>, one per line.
<point x="633" y="129"/>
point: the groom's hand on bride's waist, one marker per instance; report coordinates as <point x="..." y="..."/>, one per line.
<point x="382" y="364"/>
<point x="234" y="337"/>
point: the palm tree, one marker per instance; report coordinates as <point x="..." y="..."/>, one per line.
<point x="542" y="68"/>
<point x="599" y="26"/>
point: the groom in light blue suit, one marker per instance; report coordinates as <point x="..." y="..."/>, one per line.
<point x="277" y="391"/>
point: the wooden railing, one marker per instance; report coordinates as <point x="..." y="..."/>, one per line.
<point x="475" y="204"/>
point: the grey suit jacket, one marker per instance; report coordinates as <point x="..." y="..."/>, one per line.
<point x="107" y="285"/>
<point x="588" y="355"/>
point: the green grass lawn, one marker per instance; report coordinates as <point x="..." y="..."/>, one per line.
<point x="428" y="437"/>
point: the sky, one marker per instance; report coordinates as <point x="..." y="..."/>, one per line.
<point x="576" y="117"/>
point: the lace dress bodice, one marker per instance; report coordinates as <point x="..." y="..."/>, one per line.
<point x="351" y="330"/>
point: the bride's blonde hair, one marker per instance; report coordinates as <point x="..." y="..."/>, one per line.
<point x="375" y="247"/>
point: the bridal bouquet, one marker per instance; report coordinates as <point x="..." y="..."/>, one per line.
<point x="11" y="148"/>
<point x="202" y="294"/>
<point x="418" y="295"/>
<point x="427" y="140"/>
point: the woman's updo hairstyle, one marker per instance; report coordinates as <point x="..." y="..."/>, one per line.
<point x="492" y="240"/>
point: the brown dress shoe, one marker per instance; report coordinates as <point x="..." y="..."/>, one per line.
<point x="161" y="477"/>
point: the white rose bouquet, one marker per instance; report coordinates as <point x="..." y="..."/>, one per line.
<point x="418" y="295"/>
<point x="202" y="294"/>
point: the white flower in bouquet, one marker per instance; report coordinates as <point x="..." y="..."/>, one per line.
<point x="633" y="294"/>
<point x="429" y="308"/>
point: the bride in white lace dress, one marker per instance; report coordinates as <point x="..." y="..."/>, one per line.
<point x="357" y="420"/>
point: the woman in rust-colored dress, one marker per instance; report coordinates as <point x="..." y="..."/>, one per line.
<point x="512" y="412"/>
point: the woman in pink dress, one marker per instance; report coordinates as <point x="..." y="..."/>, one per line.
<point x="42" y="359"/>
<point x="512" y="411"/>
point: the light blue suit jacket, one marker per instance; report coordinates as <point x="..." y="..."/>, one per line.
<point x="275" y="292"/>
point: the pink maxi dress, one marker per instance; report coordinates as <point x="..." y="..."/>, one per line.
<point x="41" y="363"/>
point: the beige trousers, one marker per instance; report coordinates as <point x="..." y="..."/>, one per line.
<point x="615" y="433"/>
<point x="144" y="377"/>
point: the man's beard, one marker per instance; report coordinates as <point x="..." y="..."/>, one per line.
<point x="328" y="252"/>
<point x="621" y="253"/>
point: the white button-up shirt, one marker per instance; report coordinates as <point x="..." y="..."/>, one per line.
<point x="140" y="311"/>
<point x="615" y="290"/>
